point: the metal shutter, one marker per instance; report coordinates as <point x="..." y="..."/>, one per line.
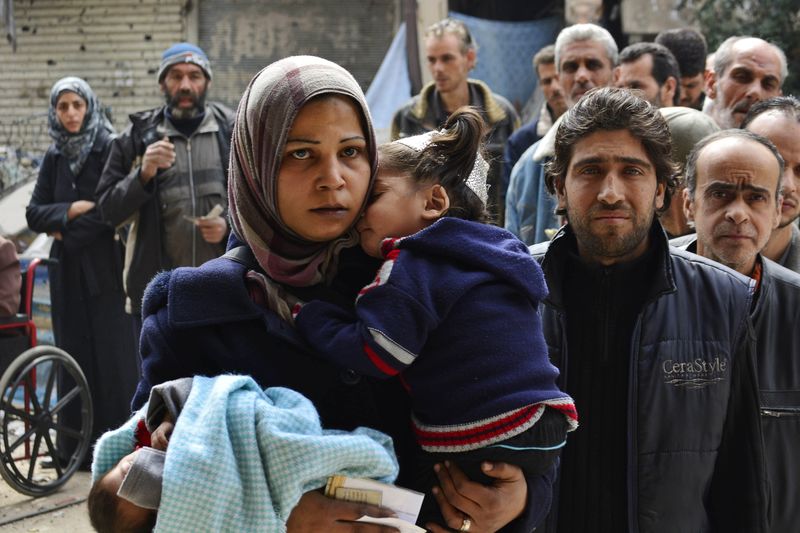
<point x="241" y="37"/>
<point x="115" y="45"/>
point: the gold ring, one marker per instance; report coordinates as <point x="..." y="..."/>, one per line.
<point x="465" y="524"/>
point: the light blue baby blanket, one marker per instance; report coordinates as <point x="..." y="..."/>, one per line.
<point x="240" y="457"/>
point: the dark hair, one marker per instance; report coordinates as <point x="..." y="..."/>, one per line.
<point x="614" y="109"/>
<point x="664" y="64"/>
<point x="789" y="106"/>
<point x="689" y="48"/>
<point x="694" y="155"/>
<point x="447" y="160"/>
<point x="545" y="56"/>
<point x="106" y="516"/>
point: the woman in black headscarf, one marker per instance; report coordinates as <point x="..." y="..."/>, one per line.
<point x="89" y="320"/>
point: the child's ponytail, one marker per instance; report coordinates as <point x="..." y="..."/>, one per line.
<point x="451" y="157"/>
<point x="448" y="159"/>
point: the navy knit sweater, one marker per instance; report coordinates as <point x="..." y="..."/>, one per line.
<point x="453" y="309"/>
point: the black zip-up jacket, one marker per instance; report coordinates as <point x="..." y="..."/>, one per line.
<point x="775" y="319"/>
<point x="776" y="315"/>
<point x="122" y="200"/>
<point x="695" y="459"/>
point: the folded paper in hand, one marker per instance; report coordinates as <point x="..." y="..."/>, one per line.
<point x="215" y="212"/>
<point x="406" y="503"/>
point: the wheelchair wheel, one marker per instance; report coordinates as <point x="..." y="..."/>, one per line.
<point x="46" y="420"/>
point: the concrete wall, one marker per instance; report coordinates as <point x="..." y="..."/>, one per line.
<point x="115" y="45"/>
<point x="241" y="37"/>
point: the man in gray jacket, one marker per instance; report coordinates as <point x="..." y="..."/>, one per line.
<point x="167" y="173"/>
<point x="654" y="344"/>
<point x="778" y="119"/>
<point x="732" y="196"/>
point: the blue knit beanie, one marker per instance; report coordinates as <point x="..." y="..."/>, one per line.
<point x="183" y="53"/>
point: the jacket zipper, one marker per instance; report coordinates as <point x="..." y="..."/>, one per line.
<point x="633" y="391"/>
<point x="786" y="412"/>
<point x="606" y="311"/>
<point x="194" y="200"/>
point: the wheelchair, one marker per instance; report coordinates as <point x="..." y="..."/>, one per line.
<point x="46" y="410"/>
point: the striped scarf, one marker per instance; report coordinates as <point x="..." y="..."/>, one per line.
<point x="265" y="115"/>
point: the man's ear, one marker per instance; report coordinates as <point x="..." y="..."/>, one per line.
<point x="778" y="211"/>
<point x="471" y="57"/>
<point x="561" y="196"/>
<point x="711" y="84"/>
<point x="661" y="193"/>
<point x="668" y="91"/>
<point x="688" y="206"/>
<point x="437" y="202"/>
<point x="615" y="75"/>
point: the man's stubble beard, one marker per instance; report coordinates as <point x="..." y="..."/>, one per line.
<point x="608" y="245"/>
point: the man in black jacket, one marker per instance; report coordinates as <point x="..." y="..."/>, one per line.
<point x="654" y="344"/>
<point x="167" y="173"/>
<point x="732" y="195"/>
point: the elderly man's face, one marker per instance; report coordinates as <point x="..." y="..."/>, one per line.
<point x="784" y="132"/>
<point x="584" y="65"/>
<point x="753" y="75"/>
<point x="184" y="87"/>
<point x="638" y="76"/>
<point x="611" y="195"/>
<point x="734" y="206"/>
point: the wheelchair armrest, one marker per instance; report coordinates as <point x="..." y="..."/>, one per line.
<point x="7" y="322"/>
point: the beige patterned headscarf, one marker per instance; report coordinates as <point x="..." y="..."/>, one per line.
<point x="263" y="120"/>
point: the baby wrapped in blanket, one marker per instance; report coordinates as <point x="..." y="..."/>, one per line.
<point x="239" y="459"/>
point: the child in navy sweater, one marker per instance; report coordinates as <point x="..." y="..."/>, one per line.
<point x="452" y="311"/>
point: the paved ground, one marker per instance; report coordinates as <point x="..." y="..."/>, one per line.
<point x="62" y="512"/>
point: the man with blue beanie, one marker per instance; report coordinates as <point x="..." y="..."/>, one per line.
<point x="165" y="175"/>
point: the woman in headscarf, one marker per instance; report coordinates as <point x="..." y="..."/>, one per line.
<point x="302" y="160"/>
<point x="89" y="320"/>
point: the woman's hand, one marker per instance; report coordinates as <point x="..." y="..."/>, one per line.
<point x="78" y="208"/>
<point x="488" y="507"/>
<point x="315" y="512"/>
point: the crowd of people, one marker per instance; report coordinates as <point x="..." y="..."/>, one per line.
<point x="472" y="289"/>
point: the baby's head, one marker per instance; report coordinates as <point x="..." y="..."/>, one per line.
<point x="423" y="178"/>
<point x="111" y="513"/>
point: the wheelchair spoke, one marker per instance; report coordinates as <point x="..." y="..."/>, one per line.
<point x="51" y="379"/>
<point x="65" y="399"/>
<point x="67" y="431"/>
<point x="37" y="441"/>
<point x="53" y="453"/>
<point x="21" y="440"/>
<point x="19" y="413"/>
<point x="31" y="390"/>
